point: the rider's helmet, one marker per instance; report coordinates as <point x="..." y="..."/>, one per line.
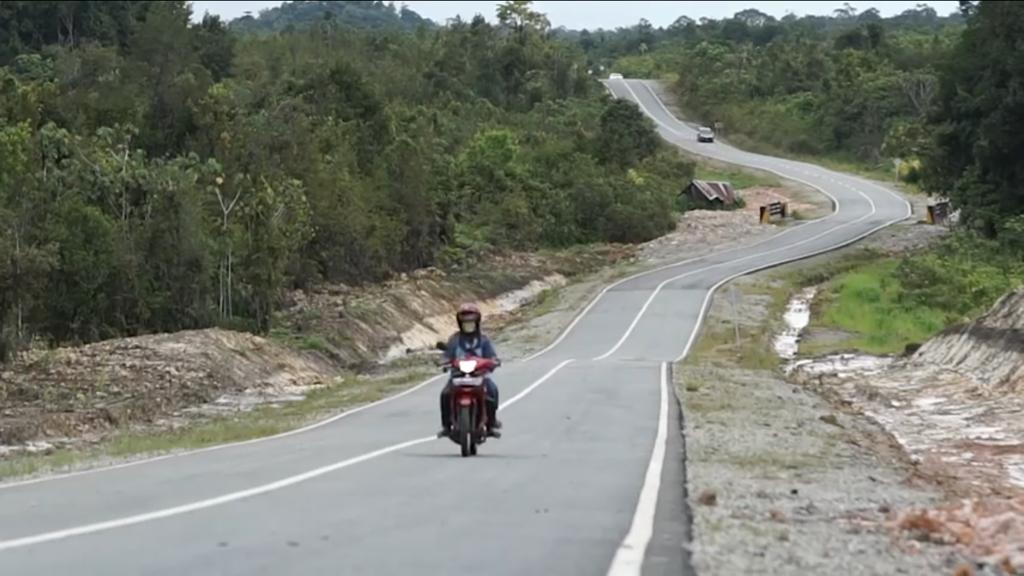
<point x="468" y="317"/>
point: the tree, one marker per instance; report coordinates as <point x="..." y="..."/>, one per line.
<point x="165" y="61"/>
<point x="521" y="18"/>
<point x="846" y="12"/>
<point x="276" y="224"/>
<point x="24" y="263"/>
<point x="753" y="18"/>
<point x="626" y="136"/>
<point x="215" y="46"/>
<point x="979" y="109"/>
<point x="157" y="175"/>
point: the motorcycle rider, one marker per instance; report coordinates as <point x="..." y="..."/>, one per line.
<point x="470" y="341"/>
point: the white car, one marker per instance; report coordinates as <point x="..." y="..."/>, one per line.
<point x="705" y="134"/>
<point x="615" y="76"/>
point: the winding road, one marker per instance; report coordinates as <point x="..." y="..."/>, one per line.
<point x="588" y="479"/>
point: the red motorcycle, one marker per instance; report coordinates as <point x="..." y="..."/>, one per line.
<point x="469" y="401"/>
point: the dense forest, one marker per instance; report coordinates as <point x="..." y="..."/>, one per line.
<point x="359" y="14"/>
<point x="848" y="85"/>
<point x="158" y="174"/>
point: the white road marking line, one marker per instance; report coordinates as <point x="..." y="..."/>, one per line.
<point x="307" y="428"/>
<point x="658" y="289"/>
<point x="208" y="503"/>
<point x="713" y="289"/>
<point x="242" y="494"/>
<point x="629" y="558"/>
<point x="531" y="387"/>
<point x="593" y="302"/>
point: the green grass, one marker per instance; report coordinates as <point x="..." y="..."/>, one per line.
<point x="258" y="423"/>
<point x="301" y="342"/>
<point x="314" y="344"/>
<point x="738" y="177"/>
<point x="545" y="302"/>
<point x="866" y="303"/>
<point x="802" y="274"/>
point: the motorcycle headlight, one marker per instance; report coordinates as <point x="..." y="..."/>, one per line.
<point x="467" y="366"/>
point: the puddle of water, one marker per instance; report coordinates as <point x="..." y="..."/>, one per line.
<point x="797" y="317"/>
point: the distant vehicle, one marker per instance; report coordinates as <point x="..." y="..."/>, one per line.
<point x="705" y="134"/>
<point x="615" y="76"/>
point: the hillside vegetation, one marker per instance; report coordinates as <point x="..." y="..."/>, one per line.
<point x="848" y="85"/>
<point x="943" y="94"/>
<point x="157" y="175"/>
<point x="354" y="13"/>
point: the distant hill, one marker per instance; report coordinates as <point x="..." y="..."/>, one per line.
<point x="371" y="15"/>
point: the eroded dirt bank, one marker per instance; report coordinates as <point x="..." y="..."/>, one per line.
<point x="51" y="399"/>
<point x="954" y="407"/>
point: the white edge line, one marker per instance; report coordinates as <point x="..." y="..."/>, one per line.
<point x="536" y="383"/>
<point x="657" y="290"/>
<point x="629" y="557"/>
<point x="242" y="494"/>
<point x="208" y="503"/>
<point x="713" y="289"/>
<point x="593" y="302"/>
<point x="285" y="434"/>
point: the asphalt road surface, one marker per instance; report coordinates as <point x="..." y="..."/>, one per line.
<point x="588" y="478"/>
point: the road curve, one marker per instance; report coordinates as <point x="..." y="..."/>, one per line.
<point x="588" y="479"/>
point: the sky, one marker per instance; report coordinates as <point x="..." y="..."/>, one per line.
<point x="608" y="15"/>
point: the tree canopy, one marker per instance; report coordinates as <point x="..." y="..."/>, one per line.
<point x="157" y="174"/>
<point x="843" y="85"/>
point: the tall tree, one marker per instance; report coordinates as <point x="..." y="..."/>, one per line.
<point x="978" y="144"/>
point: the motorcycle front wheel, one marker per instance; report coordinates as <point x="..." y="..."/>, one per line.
<point x="466" y="431"/>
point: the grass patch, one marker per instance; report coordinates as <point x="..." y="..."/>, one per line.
<point x="802" y="275"/>
<point x="314" y="344"/>
<point x="299" y="341"/>
<point x="545" y="302"/>
<point x="799" y="215"/>
<point x="866" y="302"/>
<point x="694" y="384"/>
<point x="738" y="177"/>
<point x="717" y="344"/>
<point x="258" y="423"/>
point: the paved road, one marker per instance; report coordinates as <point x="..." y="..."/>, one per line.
<point x="588" y="479"/>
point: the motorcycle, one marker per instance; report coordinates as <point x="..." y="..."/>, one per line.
<point x="468" y="400"/>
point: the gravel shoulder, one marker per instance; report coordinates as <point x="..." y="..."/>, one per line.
<point x="780" y="481"/>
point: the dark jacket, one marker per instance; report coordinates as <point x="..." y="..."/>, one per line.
<point x="461" y="346"/>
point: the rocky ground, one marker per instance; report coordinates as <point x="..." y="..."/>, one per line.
<point x="780" y="482"/>
<point x="791" y="474"/>
<point x="954" y="408"/>
<point x="57" y="397"/>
